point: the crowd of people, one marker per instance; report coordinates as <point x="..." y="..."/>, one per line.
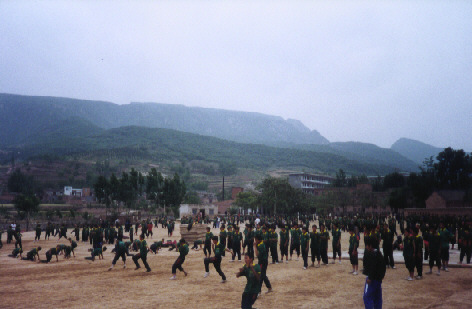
<point x="420" y="238"/>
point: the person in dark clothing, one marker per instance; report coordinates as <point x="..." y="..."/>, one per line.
<point x="183" y="250"/>
<point x="252" y="272"/>
<point x="218" y="249"/>
<point x="374" y="269"/>
<point x="387" y="236"/>
<point x="143" y="250"/>
<point x="120" y="251"/>
<point x="418" y="256"/>
<point x="434" y="250"/>
<point x="263" y="259"/>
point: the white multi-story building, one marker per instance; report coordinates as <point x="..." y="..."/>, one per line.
<point x="309" y="182"/>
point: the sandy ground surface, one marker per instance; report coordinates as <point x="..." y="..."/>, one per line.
<point x="80" y="283"/>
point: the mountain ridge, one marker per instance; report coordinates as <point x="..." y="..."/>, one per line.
<point x="246" y="127"/>
<point x="65" y="123"/>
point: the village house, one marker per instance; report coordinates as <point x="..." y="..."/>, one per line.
<point x="444" y="202"/>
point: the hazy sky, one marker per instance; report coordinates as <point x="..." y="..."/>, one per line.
<point x="370" y="71"/>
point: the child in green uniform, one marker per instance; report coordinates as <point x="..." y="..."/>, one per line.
<point x="408" y="254"/>
<point x="49" y="230"/>
<point x="218" y="249"/>
<point x="197" y="245"/>
<point x="230" y="235"/>
<point x="295" y="241"/>
<point x="236" y="242"/>
<point x="97" y="252"/>
<point x="73" y="245"/>
<point x="38" y="233"/>
<point x="273" y="241"/>
<point x="183" y="250"/>
<point x="143" y="250"/>
<point x="50" y="253"/>
<point x="336" y="242"/>
<point x="284" y="238"/>
<point x="252" y="272"/>
<point x="207" y="246"/>
<point x="304" y="241"/>
<point x="418" y="253"/>
<point x="261" y="253"/>
<point x="131" y="233"/>
<point x="315" y="246"/>
<point x="61" y="248"/>
<point x="156" y="246"/>
<point x="387" y="236"/>
<point x="76" y="232"/>
<point x="250" y="240"/>
<point x="134" y="246"/>
<point x="18" y="240"/>
<point x="223" y="236"/>
<point x="434" y="250"/>
<point x="32" y="254"/>
<point x="446" y="237"/>
<point x="17" y="252"/>
<point x="120" y="252"/>
<point x="324" y="237"/>
<point x="353" y="257"/>
<point x="67" y="251"/>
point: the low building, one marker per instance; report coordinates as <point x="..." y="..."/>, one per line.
<point x="194" y="209"/>
<point x="446" y="199"/>
<point x="224" y="206"/>
<point x="308" y="183"/>
<point x="235" y="191"/>
<point x="444" y="202"/>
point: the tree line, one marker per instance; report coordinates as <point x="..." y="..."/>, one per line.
<point x="450" y="170"/>
<point x="160" y="191"/>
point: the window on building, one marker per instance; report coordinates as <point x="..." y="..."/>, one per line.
<point x="194" y="211"/>
<point x="212" y="212"/>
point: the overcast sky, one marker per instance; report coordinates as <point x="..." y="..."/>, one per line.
<point x="369" y="71"/>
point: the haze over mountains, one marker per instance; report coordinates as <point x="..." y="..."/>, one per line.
<point x="40" y="125"/>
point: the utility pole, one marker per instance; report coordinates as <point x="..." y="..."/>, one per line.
<point x="223" y="195"/>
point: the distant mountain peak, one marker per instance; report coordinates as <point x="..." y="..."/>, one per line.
<point x="415" y="150"/>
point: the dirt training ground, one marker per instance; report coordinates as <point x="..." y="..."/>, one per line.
<point x="81" y="283"/>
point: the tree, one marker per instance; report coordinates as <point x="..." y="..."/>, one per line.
<point x="394" y="180"/>
<point x="114" y="188"/>
<point x="340" y="180"/>
<point x="128" y="188"/>
<point x="278" y="196"/>
<point x="398" y="198"/>
<point x="192" y="198"/>
<point x="155" y="187"/>
<point x="26" y="204"/>
<point x="21" y="183"/>
<point x="174" y="191"/>
<point x="342" y="199"/>
<point x="377" y="184"/>
<point x="453" y="169"/>
<point x="102" y="191"/>
<point x="246" y="200"/>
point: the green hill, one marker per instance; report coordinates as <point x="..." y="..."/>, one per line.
<point x="415" y="150"/>
<point x="158" y="145"/>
